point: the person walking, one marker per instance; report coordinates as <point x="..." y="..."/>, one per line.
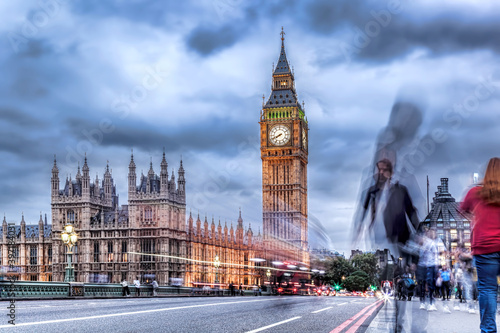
<point x="241" y="290"/>
<point x="445" y="286"/>
<point x="125" y="289"/>
<point x="155" y="288"/>
<point x="137" y="285"/>
<point x="484" y="203"/>
<point x="432" y="247"/>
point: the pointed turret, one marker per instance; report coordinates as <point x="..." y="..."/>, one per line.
<point x="198" y="225"/>
<point x="23" y="229"/>
<point x="249" y="234"/>
<point x="132" y="177"/>
<point x="85" y="179"/>
<point x="78" y="176"/>
<point x="164" y="175"/>
<point x="282" y="67"/>
<point x="205" y="227"/>
<point x="283" y="92"/>
<point x="181" y="182"/>
<point x="225" y="230"/>
<point x="212" y="227"/>
<point x="239" y="229"/>
<point x="40" y="227"/>
<point x="231" y="233"/>
<point x="70" y="186"/>
<point x="4" y="229"/>
<point x="55" y="179"/>
<point x="171" y="185"/>
<point x="190" y="223"/>
<point x="108" y="184"/>
<point x="97" y="192"/>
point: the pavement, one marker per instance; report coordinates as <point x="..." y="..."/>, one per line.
<point x="413" y="320"/>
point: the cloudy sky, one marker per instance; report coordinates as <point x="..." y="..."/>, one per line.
<point x="105" y="77"/>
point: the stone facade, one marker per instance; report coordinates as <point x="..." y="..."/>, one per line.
<point x="148" y="237"/>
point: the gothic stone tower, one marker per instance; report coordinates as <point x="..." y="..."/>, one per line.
<point x="284" y="135"/>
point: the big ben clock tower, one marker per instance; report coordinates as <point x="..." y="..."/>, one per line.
<point x="283" y="142"/>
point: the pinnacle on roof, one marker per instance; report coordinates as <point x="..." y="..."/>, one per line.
<point x="132" y="163"/>
<point x="282" y="67"/>
<point x="54" y="168"/>
<point x="181" y="168"/>
<point x="85" y="165"/>
<point x="107" y="168"/>
<point x="164" y="160"/>
<point x="151" y="171"/>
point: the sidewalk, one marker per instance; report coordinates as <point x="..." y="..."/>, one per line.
<point x="415" y="320"/>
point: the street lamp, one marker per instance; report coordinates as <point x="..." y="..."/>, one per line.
<point x="69" y="237"/>
<point x="268" y="274"/>
<point x="216" y="265"/>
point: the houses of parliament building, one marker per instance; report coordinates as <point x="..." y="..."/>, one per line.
<point x="154" y="236"/>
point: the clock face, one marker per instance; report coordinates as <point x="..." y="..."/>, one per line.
<point x="279" y="135"/>
<point x="304" y="139"/>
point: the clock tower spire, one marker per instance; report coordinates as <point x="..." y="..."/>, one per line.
<point x="284" y="154"/>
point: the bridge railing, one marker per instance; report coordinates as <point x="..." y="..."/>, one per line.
<point x="35" y="289"/>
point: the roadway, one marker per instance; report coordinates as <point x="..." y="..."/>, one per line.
<point x="195" y="314"/>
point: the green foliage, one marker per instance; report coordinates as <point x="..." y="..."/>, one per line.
<point x="366" y="262"/>
<point x="357" y="281"/>
<point x="336" y="268"/>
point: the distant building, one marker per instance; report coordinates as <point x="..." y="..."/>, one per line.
<point x="451" y="225"/>
<point x="322" y="254"/>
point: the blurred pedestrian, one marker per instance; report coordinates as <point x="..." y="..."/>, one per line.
<point x="390" y="205"/>
<point x="241" y="290"/>
<point x="125" y="289"/>
<point x="155" y="288"/>
<point x="432" y="247"/>
<point x="137" y="285"/>
<point x="484" y="202"/>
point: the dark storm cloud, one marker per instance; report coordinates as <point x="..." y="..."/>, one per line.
<point x="221" y="135"/>
<point x="156" y="13"/>
<point x="440" y="37"/>
<point x="207" y="40"/>
<point x="12" y="116"/>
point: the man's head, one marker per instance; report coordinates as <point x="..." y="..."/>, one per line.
<point x="384" y="171"/>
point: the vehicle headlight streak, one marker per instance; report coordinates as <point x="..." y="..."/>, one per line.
<point x="221" y="263"/>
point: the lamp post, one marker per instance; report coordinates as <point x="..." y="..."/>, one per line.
<point x="69" y="237"/>
<point x="268" y="274"/>
<point x="216" y="265"/>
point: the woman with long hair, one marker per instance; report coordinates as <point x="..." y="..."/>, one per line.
<point x="484" y="202"/>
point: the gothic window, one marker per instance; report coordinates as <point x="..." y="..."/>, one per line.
<point x="49" y="255"/>
<point x="124" y="251"/>
<point x="110" y="251"/>
<point x="14" y="251"/>
<point x="147" y="246"/>
<point x="71" y="216"/>
<point x="96" y="251"/>
<point x="33" y="255"/>
<point x="148" y="214"/>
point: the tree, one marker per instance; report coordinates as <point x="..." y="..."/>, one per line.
<point x="366" y="262"/>
<point x="336" y="268"/>
<point x="357" y="281"/>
